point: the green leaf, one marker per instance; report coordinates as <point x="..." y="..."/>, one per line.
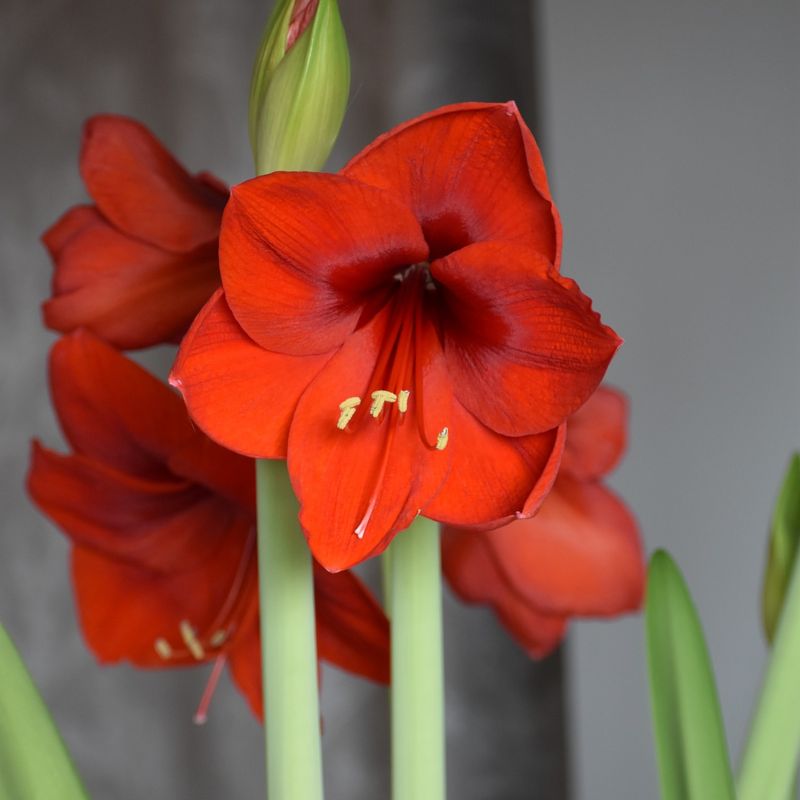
<point x="690" y="741"/>
<point x="34" y="764"/>
<point x="783" y="544"/>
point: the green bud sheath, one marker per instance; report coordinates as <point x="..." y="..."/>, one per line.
<point x="300" y="87"/>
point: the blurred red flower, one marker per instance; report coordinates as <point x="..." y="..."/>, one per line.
<point x="400" y="331"/>
<point x="162" y="525"/>
<point x="137" y="266"/>
<point x="581" y="555"/>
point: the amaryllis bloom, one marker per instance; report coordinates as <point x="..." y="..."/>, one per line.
<point x="581" y="555"/>
<point x="137" y="266"/>
<point x="162" y="525"/>
<point x="400" y="332"/>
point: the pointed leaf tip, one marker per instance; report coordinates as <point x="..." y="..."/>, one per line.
<point x="687" y="723"/>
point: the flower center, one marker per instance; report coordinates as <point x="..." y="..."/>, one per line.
<point x="395" y="388"/>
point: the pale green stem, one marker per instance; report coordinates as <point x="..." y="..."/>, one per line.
<point x="769" y="763"/>
<point x="417" y="696"/>
<point x="288" y="642"/>
<point x="386" y="581"/>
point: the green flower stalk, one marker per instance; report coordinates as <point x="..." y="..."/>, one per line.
<point x="301" y="81"/>
<point x="298" y="97"/>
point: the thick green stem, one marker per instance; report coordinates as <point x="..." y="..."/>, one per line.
<point x="288" y="642"/>
<point x="770" y="758"/>
<point x="418" y="761"/>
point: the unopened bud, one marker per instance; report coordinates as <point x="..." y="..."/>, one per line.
<point x="301" y="81"/>
<point x="783" y="547"/>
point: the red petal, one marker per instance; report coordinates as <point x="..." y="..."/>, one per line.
<point x="338" y="474"/>
<point x="597" y="435"/>
<point x="113" y="410"/>
<point x="299" y="251"/>
<point x="244" y="661"/>
<point x="129" y="293"/>
<point x="581" y="554"/>
<point x="494" y="477"/>
<point x="224" y="472"/>
<point x="159" y="525"/>
<point x="471" y="172"/>
<point x="71" y="222"/>
<point x="241" y="395"/>
<point x="352" y="630"/>
<point x="143" y="190"/>
<point x="473" y="574"/>
<point x="523" y="346"/>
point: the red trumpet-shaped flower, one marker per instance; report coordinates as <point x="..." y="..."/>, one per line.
<point x="400" y="331"/>
<point x="137" y="266"/>
<point x="581" y="555"/>
<point x="162" y="525"/>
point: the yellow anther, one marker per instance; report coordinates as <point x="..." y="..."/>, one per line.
<point x="218" y="638"/>
<point x="189" y="636"/>
<point x="162" y="648"/>
<point x="378" y="399"/>
<point x="348" y="409"/>
<point x="441" y="439"/>
<point x="402" y="401"/>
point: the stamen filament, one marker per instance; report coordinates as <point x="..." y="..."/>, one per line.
<point x="201" y="715"/>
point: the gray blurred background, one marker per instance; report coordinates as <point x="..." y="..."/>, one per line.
<point x="671" y="133"/>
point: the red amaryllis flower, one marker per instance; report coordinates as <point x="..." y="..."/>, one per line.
<point x="162" y="523"/>
<point x="400" y="331"/>
<point x="137" y="266"/>
<point x="581" y="555"/>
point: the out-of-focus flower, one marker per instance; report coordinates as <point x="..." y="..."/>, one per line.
<point x="401" y="331"/>
<point x="301" y="81"/>
<point x="137" y="266"/>
<point x="581" y="555"/>
<point x="162" y="525"/>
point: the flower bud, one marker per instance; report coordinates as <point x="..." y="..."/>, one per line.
<point x="300" y="85"/>
<point x="783" y="547"/>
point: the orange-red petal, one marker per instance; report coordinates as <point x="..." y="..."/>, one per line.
<point x="126" y="291"/>
<point x="494" y="477"/>
<point x="241" y="395"/>
<point x="581" y="554"/>
<point x="473" y="575"/>
<point x="597" y="435"/>
<point x="143" y="190"/>
<point x="68" y="225"/>
<point x="244" y="661"/>
<point x="523" y="345"/>
<point x="376" y="475"/>
<point x="125" y="608"/>
<point x="299" y="252"/>
<point x="471" y="172"/>
<point x="159" y="525"/>
<point x="352" y="630"/>
<point x="113" y="410"/>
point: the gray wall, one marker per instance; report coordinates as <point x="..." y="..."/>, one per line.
<point x="671" y="132"/>
<point x="674" y="134"/>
